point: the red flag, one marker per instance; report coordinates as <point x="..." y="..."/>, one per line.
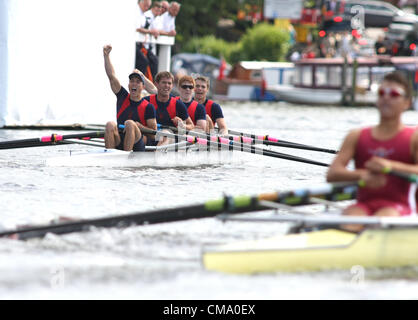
<point x="263" y="85"/>
<point x="222" y="68"/>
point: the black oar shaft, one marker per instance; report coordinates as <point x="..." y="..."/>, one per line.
<point x="298" y="146"/>
<point x="48" y="140"/>
<point x="255" y="140"/>
<point x="413" y="178"/>
<point x="158" y="216"/>
<point x="233" y="205"/>
<point x="236" y="146"/>
<point x="282" y="143"/>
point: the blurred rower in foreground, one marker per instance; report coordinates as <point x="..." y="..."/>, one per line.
<point x="214" y="113"/>
<point x="376" y="150"/>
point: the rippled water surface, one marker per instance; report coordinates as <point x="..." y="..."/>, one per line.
<point x="163" y="261"/>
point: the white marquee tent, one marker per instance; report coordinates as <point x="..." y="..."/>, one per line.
<point x="51" y="59"/>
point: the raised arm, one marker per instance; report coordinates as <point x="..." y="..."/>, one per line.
<point x="110" y="71"/>
<point x="149" y="86"/>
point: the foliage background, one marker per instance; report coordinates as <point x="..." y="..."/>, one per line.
<point x="214" y="27"/>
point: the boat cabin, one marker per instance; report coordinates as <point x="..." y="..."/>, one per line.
<point x="365" y="72"/>
<point x="336" y="81"/>
<point x="247" y="79"/>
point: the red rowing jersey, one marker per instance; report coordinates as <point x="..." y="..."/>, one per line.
<point x="397" y="148"/>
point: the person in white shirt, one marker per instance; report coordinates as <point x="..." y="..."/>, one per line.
<point x="150" y="16"/>
<point x="145" y="59"/>
<point x="164" y="7"/>
<point x="143" y="5"/>
<point x="158" y="23"/>
<point x="168" y="20"/>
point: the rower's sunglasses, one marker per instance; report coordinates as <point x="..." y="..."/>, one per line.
<point x="185" y="86"/>
<point x="390" y="92"/>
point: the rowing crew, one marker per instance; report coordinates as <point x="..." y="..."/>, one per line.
<point x="136" y="112"/>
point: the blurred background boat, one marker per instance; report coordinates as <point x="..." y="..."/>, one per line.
<point x="335" y="81"/>
<point x="248" y="80"/>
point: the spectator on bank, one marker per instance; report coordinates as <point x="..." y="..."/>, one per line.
<point x="345" y="45"/>
<point x="150" y="17"/>
<point x="144" y="5"/>
<point x="379" y="45"/>
<point x="146" y="60"/>
<point x="328" y="47"/>
<point x="168" y="20"/>
<point x="164" y="7"/>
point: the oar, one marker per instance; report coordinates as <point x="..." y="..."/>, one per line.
<point x="228" y="204"/>
<point x="225" y="144"/>
<point x="92" y="143"/>
<point x="413" y="178"/>
<point x="255" y="140"/>
<point x="320" y="220"/>
<point x="267" y="140"/>
<point x="48" y="140"/>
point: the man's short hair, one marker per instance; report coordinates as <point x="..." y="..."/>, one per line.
<point x="204" y="79"/>
<point x="156" y="4"/>
<point x="184" y="79"/>
<point x="162" y="75"/>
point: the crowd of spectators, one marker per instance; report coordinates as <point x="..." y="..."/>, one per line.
<point x="334" y="44"/>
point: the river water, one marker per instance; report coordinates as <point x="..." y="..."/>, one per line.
<point x="163" y="261"/>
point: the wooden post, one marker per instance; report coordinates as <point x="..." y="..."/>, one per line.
<point x="164" y="49"/>
<point x="354" y="82"/>
<point x="344" y="83"/>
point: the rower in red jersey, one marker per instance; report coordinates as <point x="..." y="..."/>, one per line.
<point x="389" y="145"/>
<point x="196" y="111"/>
<point x="170" y="110"/>
<point x="132" y="111"/>
<point x="214" y="113"/>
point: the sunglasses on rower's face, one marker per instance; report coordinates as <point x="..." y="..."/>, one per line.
<point x="185" y="86"/>
<point x="390" y="92"/>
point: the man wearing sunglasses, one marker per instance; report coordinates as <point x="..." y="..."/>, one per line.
<point x="389" y="145"/>
<point x="196" y="111"/>
<point x="214" y="114"/>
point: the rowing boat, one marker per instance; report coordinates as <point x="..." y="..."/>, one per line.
<point x="390" y="242"/>
<point x="317" y="250"/>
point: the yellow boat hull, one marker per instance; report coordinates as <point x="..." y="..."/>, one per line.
<point x="317" y="250"/>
